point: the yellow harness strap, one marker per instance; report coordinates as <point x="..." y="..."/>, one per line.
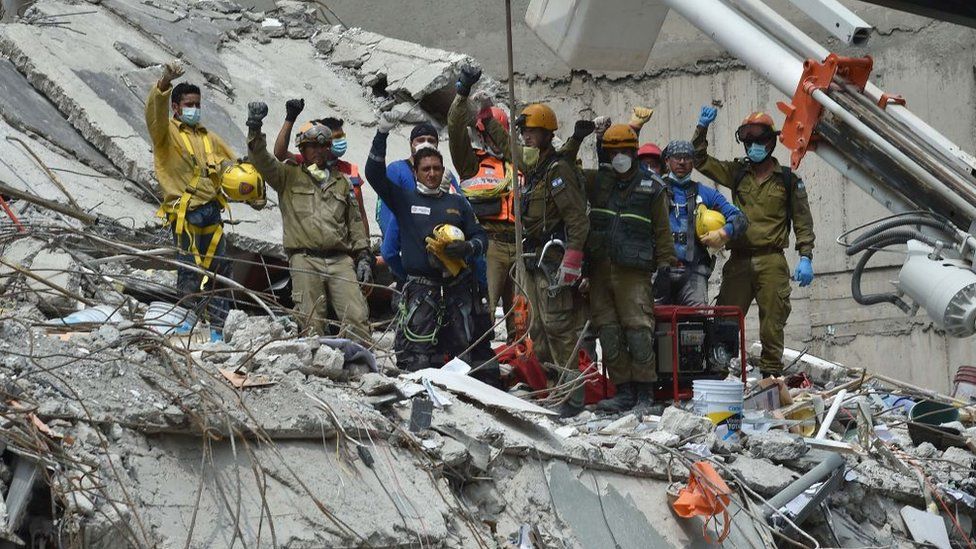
<point x="176" y="213"/>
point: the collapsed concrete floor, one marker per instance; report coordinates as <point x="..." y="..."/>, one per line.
<point x="116" y="435"/>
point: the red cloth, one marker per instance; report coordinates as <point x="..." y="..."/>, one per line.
<point x="527" y="369"/>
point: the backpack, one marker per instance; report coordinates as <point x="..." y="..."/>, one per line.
<point x="790" y="179"/>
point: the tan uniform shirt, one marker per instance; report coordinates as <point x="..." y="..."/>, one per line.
<point x="316" y="215"/>
<point x="764" y="203"/>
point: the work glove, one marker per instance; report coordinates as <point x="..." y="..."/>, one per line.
<point x="715" y="239"/>
<point x="520" y="122"/>
<point x="364" y="268"/>
<point x="387" y="121"/>
<point x="640" y="117"/>
<point x="582" y="129"/>
<point x="460" y="249"/>
<point x="293" y="108"/>
<point x="601" y="124"/>
<point x="469" y="77"/>
<point x="804" y="271"/>
<point x="662" y="283"/>
<point x="482" y="99"/>
<point x="570" y="269"/>
<point x="707" y="116"/>
<point x="256" y="112"/>
<point x="172" y="71"/>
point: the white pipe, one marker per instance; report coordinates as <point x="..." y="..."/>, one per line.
<point x="837" y="19"/>
<point x="831" y="414"/>
<point x="807" y="47"/>
<point x="913" y="167"/>
<point x="894" y="202"/>
<point x="771" y="60"/>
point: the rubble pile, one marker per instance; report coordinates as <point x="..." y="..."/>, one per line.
<point x="116" y="433"/>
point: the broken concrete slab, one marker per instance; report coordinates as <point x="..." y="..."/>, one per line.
<point x="761" y="475"/>
<point x="777" y="446"/>
<point x="59" y="269"/>
<point x="684" y="424"/>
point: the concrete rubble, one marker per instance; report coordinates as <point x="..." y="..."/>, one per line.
<point x="114" y="435"/>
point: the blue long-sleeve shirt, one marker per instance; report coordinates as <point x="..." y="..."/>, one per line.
<point x="417" y="214"/>
<point x="679" y="214"/>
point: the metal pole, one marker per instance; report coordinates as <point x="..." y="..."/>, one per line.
<point x="85" y="218"/>
<point x="512" y="144"/>
<point x="783" y="70"/>
<point x="807" y="47"/>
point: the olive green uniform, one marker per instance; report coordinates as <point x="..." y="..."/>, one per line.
<point x="323" y="231"/>
<point x="757" y="269"/>
<point x="501" y="234"/>
<point x="630" y="237"/>
<point x="554" y="206"/>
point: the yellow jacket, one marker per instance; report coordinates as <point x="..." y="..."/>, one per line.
<point x="174" y="165"/>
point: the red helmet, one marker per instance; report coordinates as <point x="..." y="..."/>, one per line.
<point x="492" y="112"/>
<point x="649" y="149"/>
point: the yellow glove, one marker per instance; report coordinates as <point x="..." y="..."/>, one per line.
<point x="640" y="117"/>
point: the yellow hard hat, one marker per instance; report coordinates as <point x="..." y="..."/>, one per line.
<point x="241" y="182"/>
<point x="538" y="115"/>
<point x="620" y="136"/>
<point x="707" y="220"/>
<point x="443" y="235"/>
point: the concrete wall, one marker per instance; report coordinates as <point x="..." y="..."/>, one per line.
<point x="930" y="63"/>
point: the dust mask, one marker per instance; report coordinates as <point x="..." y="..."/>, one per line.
<point x="190" y="116"/>
<point x="622" y="163"/>
<point x="757" y="152"/>
<point x="531" y="156"/>
<point x="318" y="173"/>
<point x="339" y="147"/>
<point x="427" y="191"/>
<point x="424" y="145"/>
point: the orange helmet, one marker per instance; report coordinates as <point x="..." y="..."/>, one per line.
<point x="649" y="149"/>
<point x="497" y="113"/>
<point x="542" y="116"/>
<point x="620" y="136"/>
<point x="757" y="119"/>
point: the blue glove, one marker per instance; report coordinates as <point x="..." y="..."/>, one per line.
<point x="804" y="272"/>
<point x="707" y="116"/>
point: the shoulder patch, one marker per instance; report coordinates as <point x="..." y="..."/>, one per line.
<point x="558" y="182"/>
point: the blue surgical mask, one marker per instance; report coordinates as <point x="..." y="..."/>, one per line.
<point x="757" y="152"/>
<point x="339" y="147"/>
<point x="190" y="116"/>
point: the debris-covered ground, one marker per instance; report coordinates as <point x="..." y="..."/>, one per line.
<point x="114" y="433"/>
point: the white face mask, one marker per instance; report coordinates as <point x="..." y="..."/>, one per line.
<point x="424" y="145"/>
<point x="427" y="191"/>
<point x="621" y="163"/>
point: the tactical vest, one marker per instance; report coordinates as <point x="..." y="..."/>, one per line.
<point x="621" y="228"/>
<point x="490" y="190"/>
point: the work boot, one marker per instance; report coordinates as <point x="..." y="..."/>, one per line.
<point x="624" y="400"/>
<point x="645" y="399"/>
<point x="568" y="409"/>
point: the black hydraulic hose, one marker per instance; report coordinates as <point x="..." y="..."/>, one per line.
<point x="918" y="219"/>
<point x="891" y="236"/>
<point x="872" y="299"/>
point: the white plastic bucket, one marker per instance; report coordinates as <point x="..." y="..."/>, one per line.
<point x="165" y="318"/>
<point x="721" y="402"/>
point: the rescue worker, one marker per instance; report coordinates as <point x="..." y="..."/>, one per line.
<point x="774" y="199"/>
<point x="442" y="312"/>
<point x="486" y="181"/>
<point x="189" y="160"/>
<point x="294" y="107"/>
<point x="649" y="155"/>
<point x="629" y="240"/>
<point x="322" y="228"/>
<point x="691" y="206"/>
<point x="553" y="208"/>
